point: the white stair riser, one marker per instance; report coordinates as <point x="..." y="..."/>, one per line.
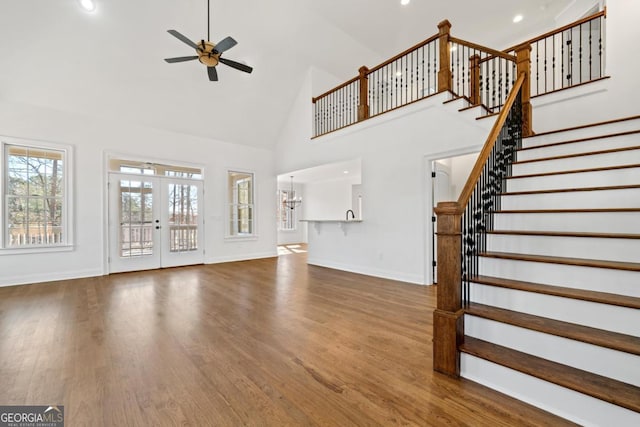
<point x="628" y="176"/>
<point x="588" y="357"/>
<point x="577" y="407"/>
<point x="571" y="276"/>
<point x="626" y="126"/>
<point x="628" y="157"/>
<point x="456" y="106"/>
<point x="626" y="198"/>
<point x="624" y="250"/>
<point x="596" y="222"/>
<point x="623" y="320"/>
<point x="621" y="141"/>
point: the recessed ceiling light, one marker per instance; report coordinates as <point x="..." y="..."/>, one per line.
<point x="345" y="172"/>
<point x="88" y="5"/>
<point x="405" y="2"/>
<point x="517" y="18"/>
<point x="454" y="48"/>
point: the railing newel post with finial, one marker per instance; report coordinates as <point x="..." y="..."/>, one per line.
<point x="523" y="64"/>
<point x="448" y="317"/>
<point x="444" y="73"/>
<point x="363" y="105"/>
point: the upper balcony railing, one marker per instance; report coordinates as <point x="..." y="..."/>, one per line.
<point x="566" y="57"/>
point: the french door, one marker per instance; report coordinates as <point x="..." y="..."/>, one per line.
<point x="154" y="222"/>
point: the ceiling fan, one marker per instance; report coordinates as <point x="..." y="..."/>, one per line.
<point x="209" y="54"/>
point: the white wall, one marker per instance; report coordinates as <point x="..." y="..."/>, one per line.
<point x="391" y="240"/>
<point x="612" y="98"/>
<point x="328" y="199"/>
<point x="460" y="170"/>
<point x="90" y="139"/>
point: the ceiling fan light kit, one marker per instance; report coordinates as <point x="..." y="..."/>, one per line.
<point x="209" y="54"/>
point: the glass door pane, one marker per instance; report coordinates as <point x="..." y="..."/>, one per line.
<point x="183" y="217"/>
<point x="182" y="222"/>
<point x="134" y="224"/>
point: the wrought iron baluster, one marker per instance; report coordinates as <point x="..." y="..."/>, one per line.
<point x="590" y="51"/>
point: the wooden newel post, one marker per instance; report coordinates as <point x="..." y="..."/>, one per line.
<point x="363" y="106"/>
<point x="523" y="61"/>
<point x="448" y="327"/>
<point x="444" y="74"/>
<point x="474" y="79"/>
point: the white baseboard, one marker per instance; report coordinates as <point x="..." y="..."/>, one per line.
<point x="242" y="257"/>
<point x="384" y="274"/>
<point x="28" y="279"/>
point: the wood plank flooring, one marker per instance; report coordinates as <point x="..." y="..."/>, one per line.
<point x="270" y="342"/>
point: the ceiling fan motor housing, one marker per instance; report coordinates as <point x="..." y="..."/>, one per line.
<point x="207" y="55"/>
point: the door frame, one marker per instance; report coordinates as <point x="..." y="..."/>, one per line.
<point x="429" y="229"/>
<point x="107" y="156"/>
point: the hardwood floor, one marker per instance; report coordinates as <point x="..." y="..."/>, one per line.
<point x="271" y="342"/>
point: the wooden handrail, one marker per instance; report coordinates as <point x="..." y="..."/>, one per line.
<point x="561" y="29"/>
<point x="483" y="48"/>
<point x="401" y="54"/>
<point x="377" y="67"/>
<point x="345" y="84"/>
<point x="465" y="195"/>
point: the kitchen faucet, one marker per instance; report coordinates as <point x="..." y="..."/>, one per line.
<point x="353" y="216"/>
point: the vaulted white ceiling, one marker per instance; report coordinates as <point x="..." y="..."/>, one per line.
<point x="110" y="64"/>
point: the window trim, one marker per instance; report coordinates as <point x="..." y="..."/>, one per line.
<point x="229" y="203"/>
<point x="68" y="243"/>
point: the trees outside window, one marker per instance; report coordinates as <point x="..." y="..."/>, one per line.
<point x="35" y="194"/>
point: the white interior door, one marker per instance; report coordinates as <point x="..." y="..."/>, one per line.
<point x="441" y="192"/>
<point x="154" y="222"/>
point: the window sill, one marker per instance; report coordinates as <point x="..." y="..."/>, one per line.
<point x="241" y="238"/>
<point x="36" y="250"/>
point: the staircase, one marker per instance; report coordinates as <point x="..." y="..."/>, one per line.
<point x="554" y="312"/>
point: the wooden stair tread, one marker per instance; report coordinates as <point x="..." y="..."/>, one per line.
<point x="594" y="210"/>
<point x="588" y="153"/>
<point x="589" y="125"/>
<point x="560" y="291"/>
<point x="586" y="334"/>
<point x="598" y="386"/>
<point x="571" y="190"/>
<point x="568" y="172"/>
<point x="582" y="262"/>
<point x="565" y="234"/>
<point x="588" y="138"/>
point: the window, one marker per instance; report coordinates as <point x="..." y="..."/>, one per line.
<point x="35" y="195"/>
<point x="287" y="217"/>
<point x="240" y="197"/>
<point x="148" y="168"/>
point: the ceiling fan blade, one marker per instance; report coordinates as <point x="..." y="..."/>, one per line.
<point x="182" y="38"/>
<point x="180" y="59"/>
<point x="213" y="74"/>
<point x="236" y="65"/>
<point x="225" y="44"/>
